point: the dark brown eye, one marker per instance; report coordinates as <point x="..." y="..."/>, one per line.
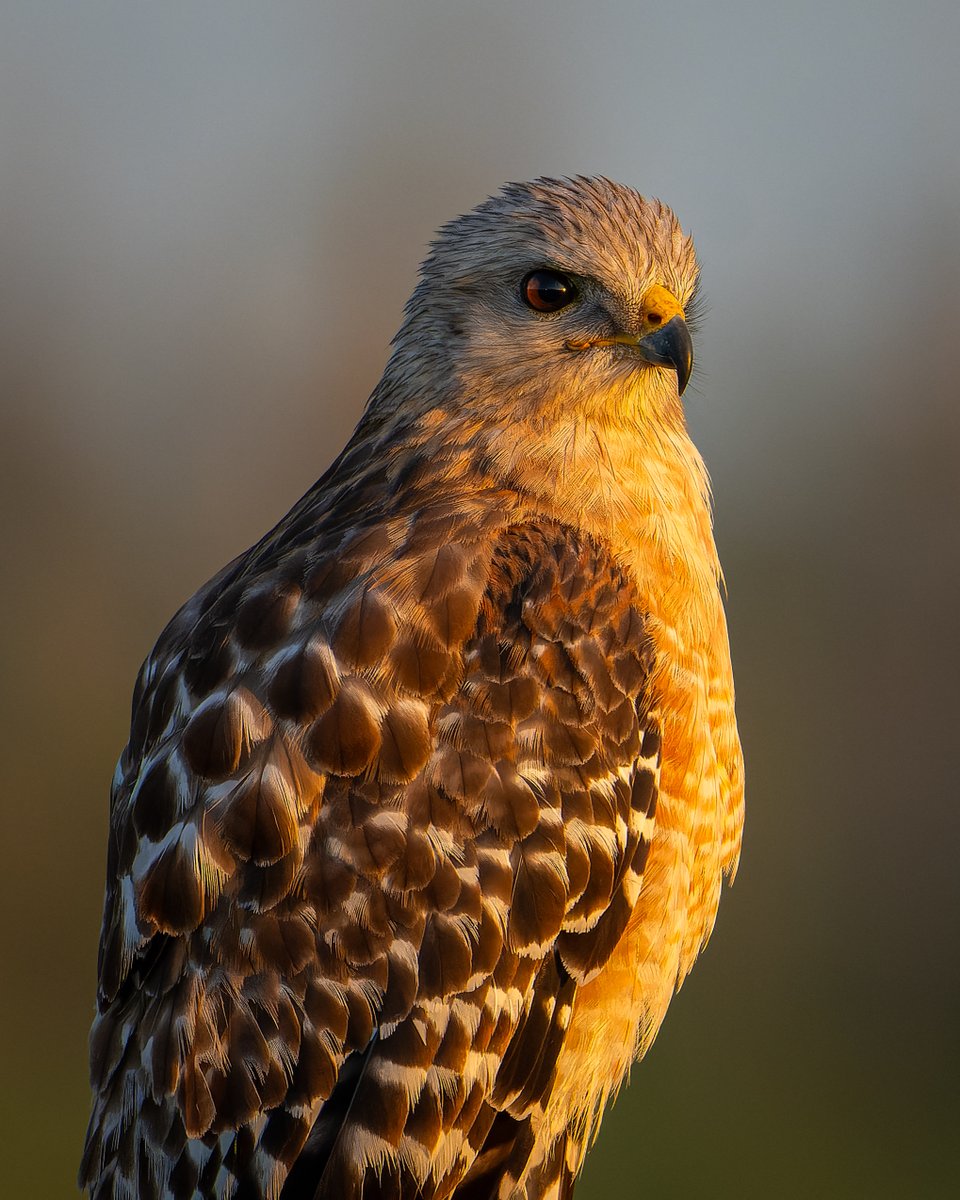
<point x="547" y="291"/>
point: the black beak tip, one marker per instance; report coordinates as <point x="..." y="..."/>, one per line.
<point x="684" y="369"/>
<point x="671" y="347"/>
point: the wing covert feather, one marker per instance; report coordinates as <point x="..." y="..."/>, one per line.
<point x="386" y="797"/>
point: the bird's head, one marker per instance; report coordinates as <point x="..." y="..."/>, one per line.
<point x="556" y="297"/>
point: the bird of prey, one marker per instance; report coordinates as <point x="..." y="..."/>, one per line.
<point x="429" y="795"/>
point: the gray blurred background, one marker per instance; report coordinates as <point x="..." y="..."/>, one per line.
<point x="210" y="217"/>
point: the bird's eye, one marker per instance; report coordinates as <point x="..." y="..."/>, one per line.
<point x="547" y="291"/>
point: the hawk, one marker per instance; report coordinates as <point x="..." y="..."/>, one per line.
<point x="429" y="795"/>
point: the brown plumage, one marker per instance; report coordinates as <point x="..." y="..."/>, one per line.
<point x="428" y="796"/>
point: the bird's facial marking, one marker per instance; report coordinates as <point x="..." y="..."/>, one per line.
<point x="547" y="291"/>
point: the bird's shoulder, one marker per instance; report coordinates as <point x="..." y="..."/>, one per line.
<point x="338" y="655"/>
<point x="370" y="767"/>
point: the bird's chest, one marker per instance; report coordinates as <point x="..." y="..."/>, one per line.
<point x="619" y="1011"/>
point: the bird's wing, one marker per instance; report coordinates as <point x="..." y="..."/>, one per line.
<point x="385" y="806"/>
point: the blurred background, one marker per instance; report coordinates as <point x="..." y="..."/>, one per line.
<point x="210" y="218"/>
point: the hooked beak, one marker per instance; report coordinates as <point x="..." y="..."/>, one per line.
<point x="670" y="346"/>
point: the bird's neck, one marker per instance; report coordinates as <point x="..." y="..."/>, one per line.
<point x="639" y="487"/>
<point x="628" y="475"/>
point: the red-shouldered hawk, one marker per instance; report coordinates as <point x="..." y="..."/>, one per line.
<point x="428" y="796"/>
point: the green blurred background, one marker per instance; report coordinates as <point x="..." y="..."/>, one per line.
<point x="210" y="217"/>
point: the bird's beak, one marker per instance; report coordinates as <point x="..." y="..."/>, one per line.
<point x="670" y="346"/>
<point x="662" y="338"/>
